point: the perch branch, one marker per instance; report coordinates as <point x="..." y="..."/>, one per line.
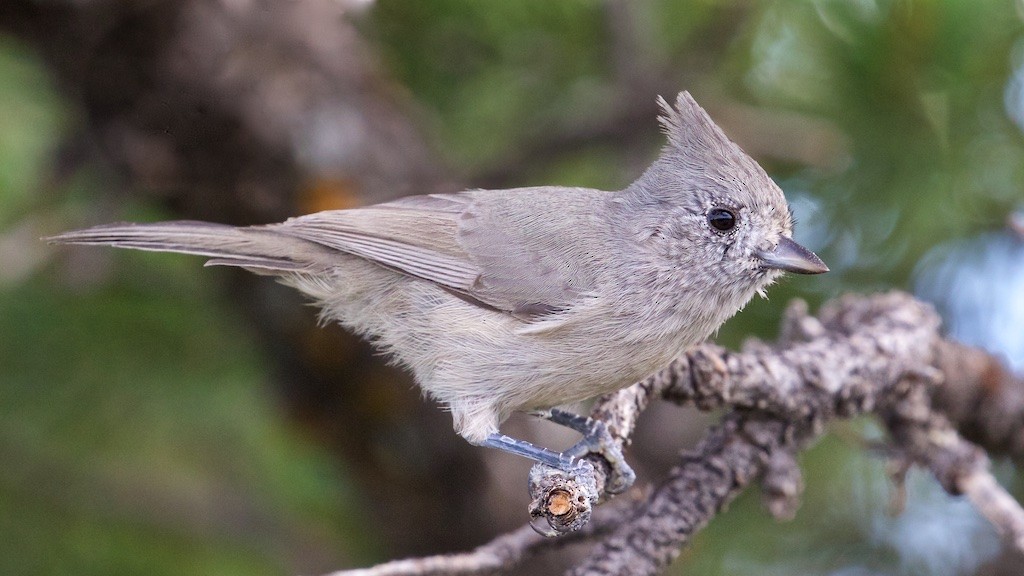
<point x="881" y="354"/>
<point x="502" y="553"/>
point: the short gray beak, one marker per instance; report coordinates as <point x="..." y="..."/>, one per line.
<point x="792" y="257"/>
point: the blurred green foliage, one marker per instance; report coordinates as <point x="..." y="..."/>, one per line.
<point x="93" y="383"/>
<point x="917" y="89"/>
<point x="490" y="70"/>
<point x="32" y="122"/>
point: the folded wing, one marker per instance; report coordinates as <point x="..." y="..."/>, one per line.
<point x="498" y="253"/>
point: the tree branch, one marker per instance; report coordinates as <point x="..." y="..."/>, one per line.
<point x="983" y="399"/>
<point x="881" y="354"/>
<point x="502" y="553"/>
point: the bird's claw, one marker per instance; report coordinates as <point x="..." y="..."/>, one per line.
<point x="597" y="440"/>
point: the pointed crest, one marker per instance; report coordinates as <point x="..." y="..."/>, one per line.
<point x="688" y="126"/>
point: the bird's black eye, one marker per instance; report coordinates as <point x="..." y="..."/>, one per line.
<point x="721" y="219"/>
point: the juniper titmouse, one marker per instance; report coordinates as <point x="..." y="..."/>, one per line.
<point x="526" y="299"/>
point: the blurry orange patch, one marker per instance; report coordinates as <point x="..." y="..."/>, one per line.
<point x="329" y="194"/>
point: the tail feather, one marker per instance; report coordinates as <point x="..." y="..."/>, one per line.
<point x="257" y="247"/>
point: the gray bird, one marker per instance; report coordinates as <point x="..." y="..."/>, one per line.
<point x="527" y="299"/>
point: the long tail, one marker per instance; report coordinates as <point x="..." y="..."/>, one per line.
<point x="260" y="248"/>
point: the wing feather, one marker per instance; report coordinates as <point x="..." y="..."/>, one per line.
<point x="415" y="235"/>
<point x="502" y="254"/>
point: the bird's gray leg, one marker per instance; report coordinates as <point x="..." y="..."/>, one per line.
<point x="560" y="460"/>
<point x="595" y="439"/>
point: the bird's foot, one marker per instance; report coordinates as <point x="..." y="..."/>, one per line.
<point x="596" y="440"/>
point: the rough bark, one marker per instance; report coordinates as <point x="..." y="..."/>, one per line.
<point x="881" y="355"/>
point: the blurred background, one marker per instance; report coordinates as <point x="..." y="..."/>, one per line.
<point x="161" y="418"/>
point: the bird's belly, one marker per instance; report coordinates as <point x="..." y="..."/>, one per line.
<point x="583" y="372"/>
